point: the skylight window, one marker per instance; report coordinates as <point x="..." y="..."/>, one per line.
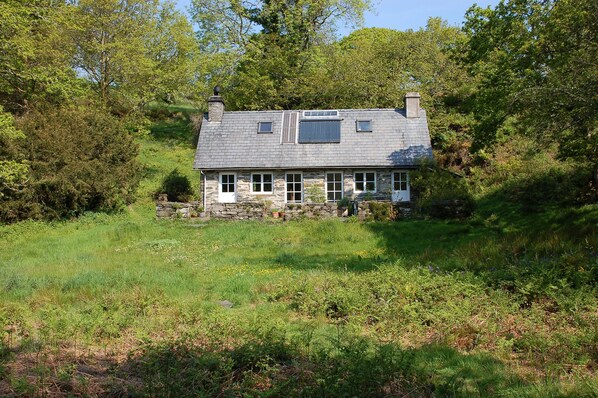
<point x="319" y="131"/>
<point x="363" y="126"/>
<point x="320" y="113"/>
<point x="264" y="127"/>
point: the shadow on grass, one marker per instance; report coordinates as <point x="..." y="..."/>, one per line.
<point x="421" y="239"/>
<point x="328" y="262"/>
<point x="554" y="200"/>
<point x="275" y="367"/>
<point x="269" y="365"/>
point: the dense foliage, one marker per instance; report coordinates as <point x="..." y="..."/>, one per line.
<point x="133" y="51"/>
<point x="441" y="194"/>
<point x="13" y="171"/>
<point x="78" y="159"/>
<point x="535" y="61"/>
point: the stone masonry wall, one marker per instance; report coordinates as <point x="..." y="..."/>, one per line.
<point x="238" y="211"/>
<point x="176" y="209"/>
<point x="310" y="210"/>
<point x="310" y="178"/>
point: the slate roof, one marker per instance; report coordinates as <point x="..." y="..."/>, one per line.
<point x="234" y="142"/>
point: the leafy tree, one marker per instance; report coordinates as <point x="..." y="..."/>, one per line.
<point x="536" y="65"/>
<point x="14" y="172"/>
<point x="35" y="54"/>
<point x="272" y="44"/>
<point x="177" y="186"/>
<point x="563" y="105"/>
<point x="374" y="68"/>
<point x="132" y="51"/>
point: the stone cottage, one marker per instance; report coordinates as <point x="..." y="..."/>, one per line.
<point x="282" y="159"/>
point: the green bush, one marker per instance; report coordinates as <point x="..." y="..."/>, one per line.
<point x="177" y="187"/>
<point x="441" y="194"/>
<point x="80" y="159"/>
<point x="381" y="211"/>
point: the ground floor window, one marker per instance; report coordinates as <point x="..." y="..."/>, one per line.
<point x="261" y="183"/>
<point x="365" y="181"/>
<point x="334" y="187"/>
<point x="294" y="182"/>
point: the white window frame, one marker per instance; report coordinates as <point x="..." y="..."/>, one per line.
<point x="342" y="191"/>
<point x="286" y="191"/>
<point x="262" y="192"/>
<point x="365" y="181"/>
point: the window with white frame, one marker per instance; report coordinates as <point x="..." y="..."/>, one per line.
<point x="365" y="181"/>
<point x="261" y="183"/>
<point x="334" y="186"/>
<point x="400" y="181"/>
<point x="294" y="182"/>
<point x="400" y="186"/>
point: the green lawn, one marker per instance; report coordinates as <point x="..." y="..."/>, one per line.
<point x="503" y="304"/>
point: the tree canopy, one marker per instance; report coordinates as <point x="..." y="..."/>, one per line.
<point x="272" y="45"/>
<point x="536" y="64"/>
<point x="132" y="51"/>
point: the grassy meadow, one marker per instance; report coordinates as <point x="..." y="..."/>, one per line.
<point x="503" y="304"/>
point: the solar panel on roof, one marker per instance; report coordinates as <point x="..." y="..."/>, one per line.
<point x="319" y="131"/>
<point x="289" y="127"/>
<point x="320" y="113"/>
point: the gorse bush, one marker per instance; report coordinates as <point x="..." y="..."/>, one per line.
<point x="79" y="160"/>
<point x="177" y="186"/>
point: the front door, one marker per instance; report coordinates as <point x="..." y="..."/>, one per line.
<point x="400" y="187"/>
<point x="227" y="188"/>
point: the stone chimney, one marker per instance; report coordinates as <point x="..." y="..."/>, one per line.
<point x="412" y="104"/>
<point x="215" y="106"/>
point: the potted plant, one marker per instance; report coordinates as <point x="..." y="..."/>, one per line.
<point x="275" y="213"/>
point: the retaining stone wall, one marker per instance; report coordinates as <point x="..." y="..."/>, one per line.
<point x="176" y="209"/>
<point x="310" y="210"/>
<point x="256" y="211"/>
<point x="237" y="211"/>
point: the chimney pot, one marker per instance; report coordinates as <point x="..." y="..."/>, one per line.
<point x="412" y="104"/>
<point x="215" y="106"/>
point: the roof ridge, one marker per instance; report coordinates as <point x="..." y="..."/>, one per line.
<point x="319" y="109"/>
